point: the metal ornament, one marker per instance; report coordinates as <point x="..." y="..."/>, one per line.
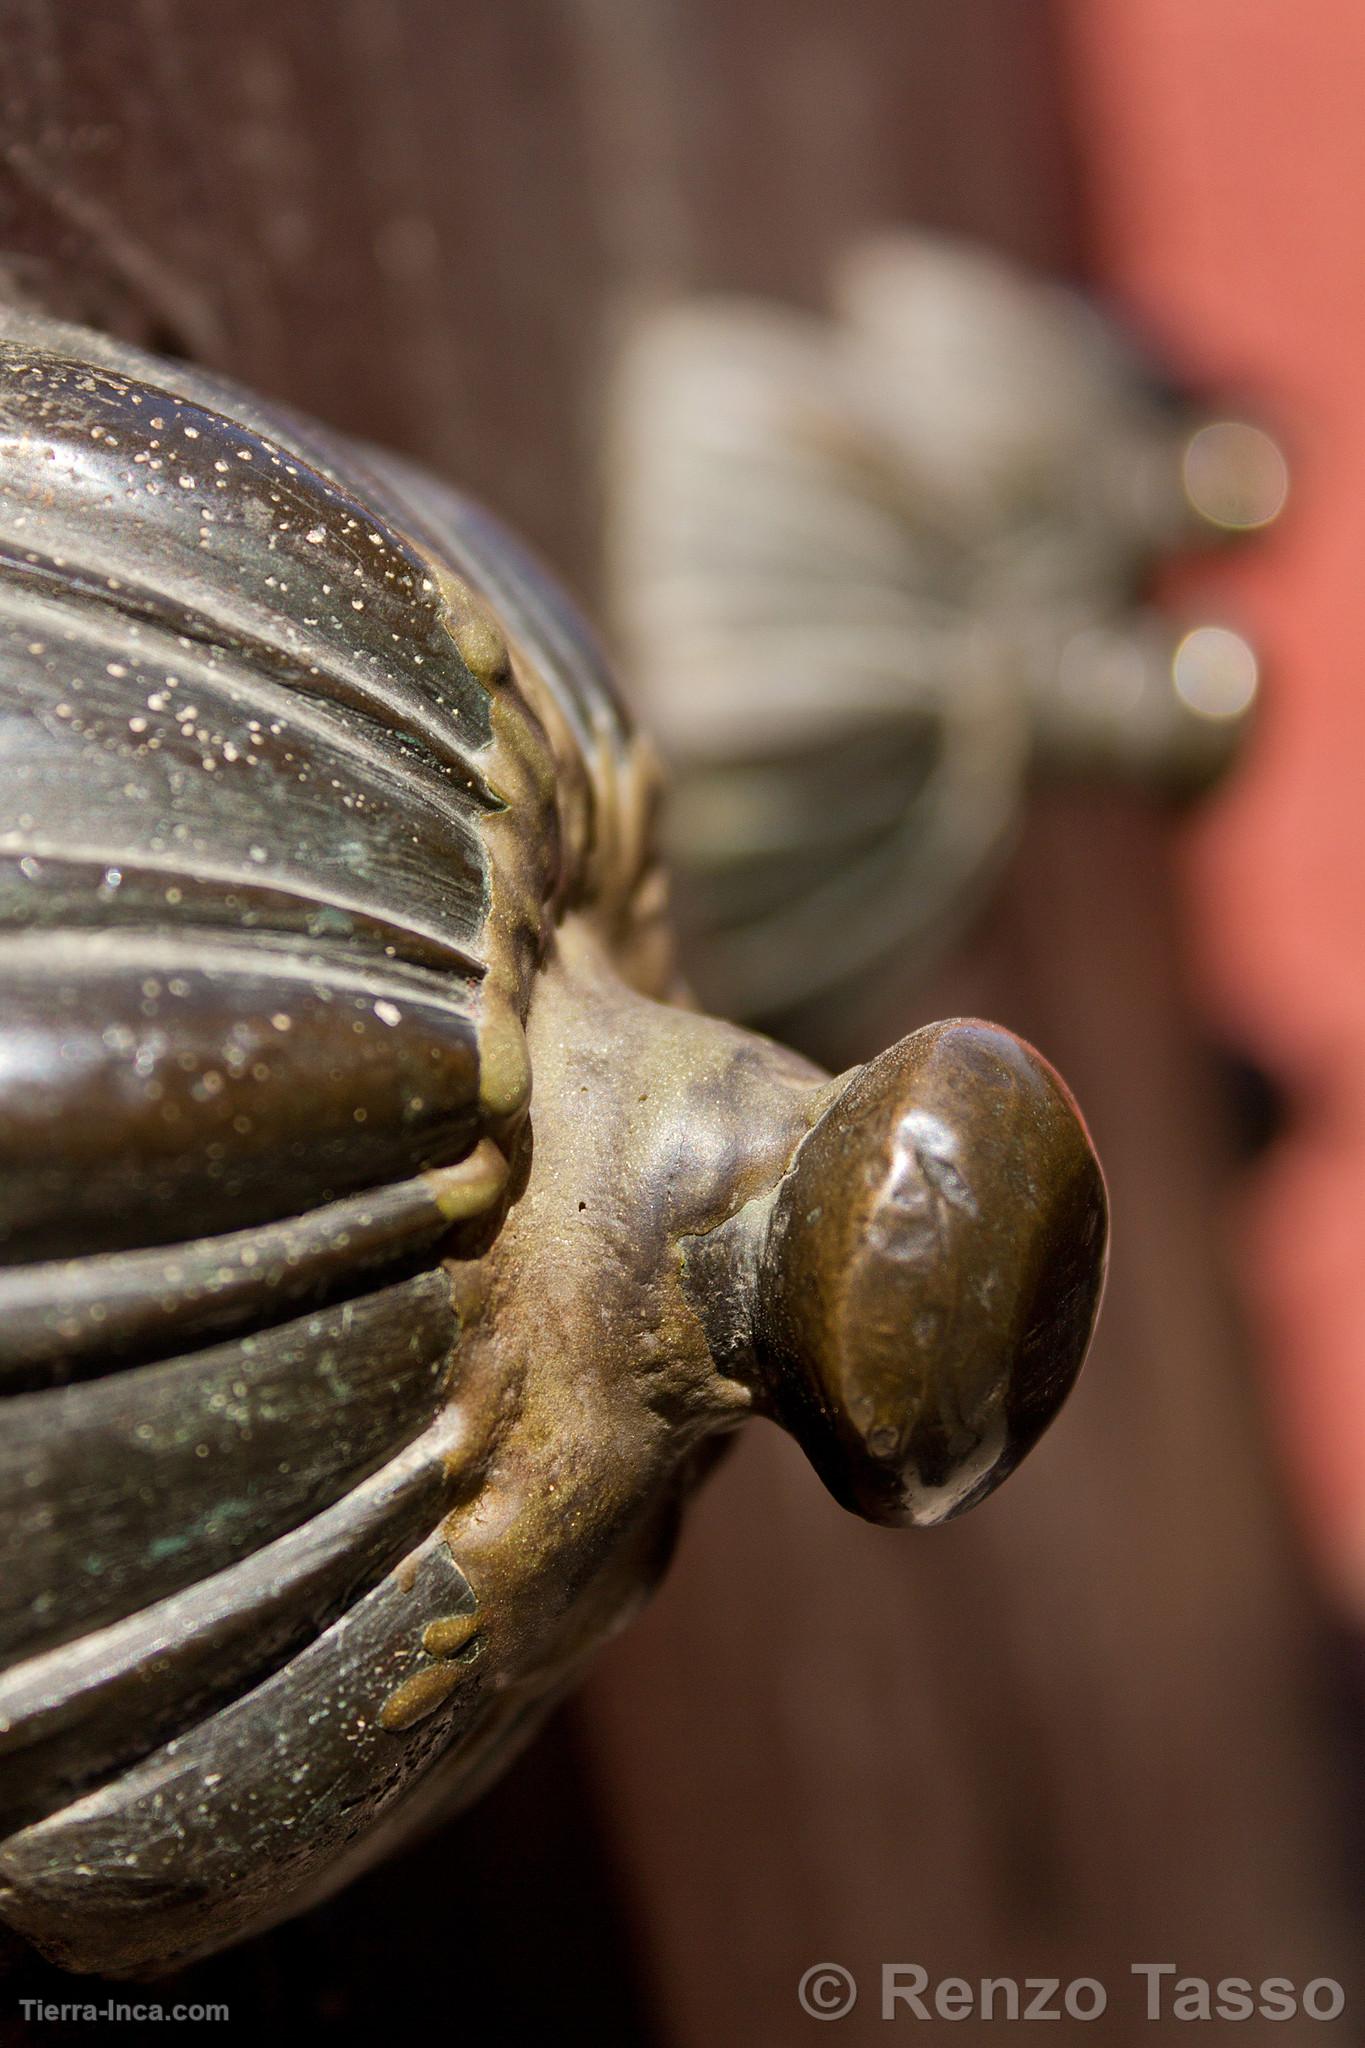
<point x="871" y="572"/>
<point x="384" y="1252"/>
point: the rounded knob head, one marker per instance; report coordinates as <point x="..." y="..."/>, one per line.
<point x="932" y="1273"/>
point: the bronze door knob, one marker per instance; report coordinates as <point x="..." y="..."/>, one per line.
<point x="380" y="1243"/>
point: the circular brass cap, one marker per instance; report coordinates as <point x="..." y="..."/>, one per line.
<point x="932" y="1273"/>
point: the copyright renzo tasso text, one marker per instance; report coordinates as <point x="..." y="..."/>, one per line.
<point x="1154" y="1991"/>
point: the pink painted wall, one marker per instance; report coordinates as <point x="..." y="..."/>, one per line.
<point x="1224" y="148"/>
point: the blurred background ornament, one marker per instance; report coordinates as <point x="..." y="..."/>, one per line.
<point x="871" y="573"/>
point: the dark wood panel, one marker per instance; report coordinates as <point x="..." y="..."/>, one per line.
<point x="415" y="219"/>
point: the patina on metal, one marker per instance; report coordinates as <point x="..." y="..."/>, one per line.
<point x="874" y="573"/>
<point x="384" y="1245"/>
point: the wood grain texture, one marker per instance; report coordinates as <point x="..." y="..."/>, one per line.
<point x="417" y="221"/>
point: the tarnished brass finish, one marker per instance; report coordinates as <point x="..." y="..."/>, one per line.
<point x="352" y="1389"/>
<point x="913" y="1388"/>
